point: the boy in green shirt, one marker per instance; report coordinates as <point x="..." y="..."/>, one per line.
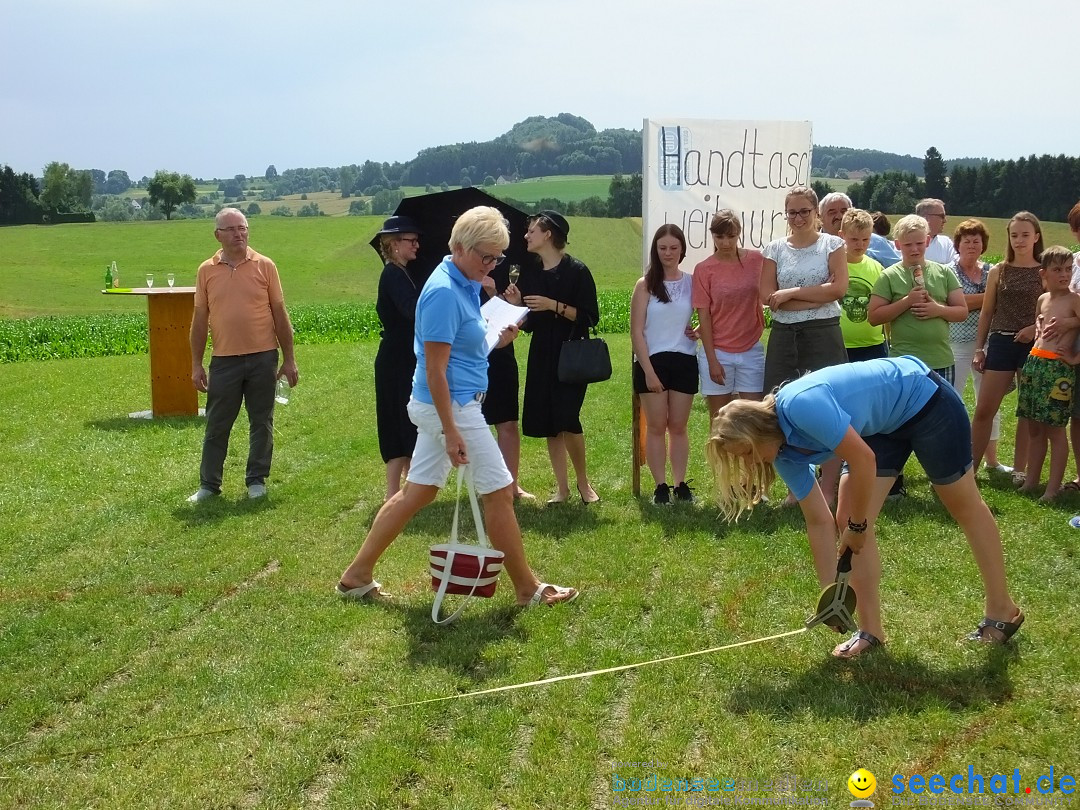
<point x="919" y="299"/>
<point x="862" y="340"/>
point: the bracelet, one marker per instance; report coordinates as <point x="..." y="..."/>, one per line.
<point x="560" y="309"/>
<point x="980" y="350"/>
<point x="857" y="528"/>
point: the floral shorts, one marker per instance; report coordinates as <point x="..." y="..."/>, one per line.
<point x="1046" y="389"/>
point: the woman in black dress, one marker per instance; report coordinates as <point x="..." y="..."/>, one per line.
<point x="396" y="360"/>
<point x="559" y="294"/>
<point x="501" y="403"/>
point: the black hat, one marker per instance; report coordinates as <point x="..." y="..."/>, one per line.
<point x="558" y="222"/>
<point x="399" y="224"/>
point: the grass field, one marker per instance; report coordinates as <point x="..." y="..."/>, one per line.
<point x="158" y="655"/>
<point x="59" y="270"/>
<point x="323" y="260"/>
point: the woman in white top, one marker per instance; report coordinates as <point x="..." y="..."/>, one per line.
<point x="803" y="278"/>
<point x="665" y="363"/>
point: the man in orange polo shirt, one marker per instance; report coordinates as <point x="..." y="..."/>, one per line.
<point x="238" y="299"/>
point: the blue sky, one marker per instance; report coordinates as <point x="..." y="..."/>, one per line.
<point x="219" y="88"/>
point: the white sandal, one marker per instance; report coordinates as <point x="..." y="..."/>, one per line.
<point x="538" y="597"/>
<point x="372" y="592"/>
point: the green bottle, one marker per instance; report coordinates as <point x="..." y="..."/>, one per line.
<point x="108" y="277"/>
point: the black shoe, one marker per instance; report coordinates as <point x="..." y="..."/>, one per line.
<point x="661" y="495"/>
<point x="683" y="492"/>
<point x="898" y="491"/>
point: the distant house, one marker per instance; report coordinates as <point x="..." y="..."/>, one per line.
<point x="135" y="205"/>
<point x="504" y="179"/>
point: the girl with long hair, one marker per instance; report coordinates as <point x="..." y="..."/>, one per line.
<point x="665" y="372"/>
<point x="1007" y="332"/>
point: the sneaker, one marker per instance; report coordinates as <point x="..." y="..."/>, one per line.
<point x="683" y="492"/>
<point x="257" y="491"/>
<point x="202" y="494"/>
<point x="898" y="490"/>
<point x="1001" y="468"/>
<point x="661" y="495"/>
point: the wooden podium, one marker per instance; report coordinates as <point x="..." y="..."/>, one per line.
<point x="170" y="311"/>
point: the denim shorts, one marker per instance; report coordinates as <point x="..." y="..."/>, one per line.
<point x="1005" y="354"/>
<point x="938" y="435"/>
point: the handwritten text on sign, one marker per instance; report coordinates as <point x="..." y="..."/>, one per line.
<point x="695" y="168"/>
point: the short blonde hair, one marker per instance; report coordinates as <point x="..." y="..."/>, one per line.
<point x="855" y="219"/>
<point x="742" y="481"/>
<point x="910" y="224"/>
<point x="482" y="225"/>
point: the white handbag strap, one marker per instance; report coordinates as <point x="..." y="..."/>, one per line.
<point x="463" y="472"/>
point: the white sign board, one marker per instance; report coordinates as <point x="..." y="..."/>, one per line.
<point x="694" y="168"/>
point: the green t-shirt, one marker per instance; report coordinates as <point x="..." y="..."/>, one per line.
<point x="858" y="333"/>
<point x="926" y="339"/>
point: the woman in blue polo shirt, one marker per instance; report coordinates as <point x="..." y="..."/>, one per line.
<point x="873" y="415"/>
<point x="448" y="388"/>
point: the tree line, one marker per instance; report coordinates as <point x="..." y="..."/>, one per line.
<point x="1047" y="186"/>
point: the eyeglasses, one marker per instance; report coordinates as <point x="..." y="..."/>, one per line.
<point x="234" y="229"/>
<point x="411" y="240"/>
<point x="940" y="216"/>
<point x="487" y="259"/>
<point x="802" y="213"/>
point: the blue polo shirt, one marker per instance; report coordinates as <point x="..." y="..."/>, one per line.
<point x="448" y="311"/>
<point x="882" y="250"/>
<point x="815" y="411"/>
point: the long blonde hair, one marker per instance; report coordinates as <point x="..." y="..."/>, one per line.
<point x="742" y="480"/>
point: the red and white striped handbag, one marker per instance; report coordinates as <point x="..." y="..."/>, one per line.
<point x="462" y="568"/>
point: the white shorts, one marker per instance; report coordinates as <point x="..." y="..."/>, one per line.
<point x="744" y="372"/>
<point x="431" y="466"/>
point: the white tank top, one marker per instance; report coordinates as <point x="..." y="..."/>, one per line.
<point x="665" y="324"/>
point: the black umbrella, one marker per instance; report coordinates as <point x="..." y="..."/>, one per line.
<point x="436" y="213"/>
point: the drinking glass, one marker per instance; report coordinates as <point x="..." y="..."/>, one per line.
<point x="171" y="278"/>
<point x="515" y="273"/>
<point x="150" y="280"/>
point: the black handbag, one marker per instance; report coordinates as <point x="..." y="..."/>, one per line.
<point x="585" y="359"/>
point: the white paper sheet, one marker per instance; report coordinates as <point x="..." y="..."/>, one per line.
<point x="499" y="314"/>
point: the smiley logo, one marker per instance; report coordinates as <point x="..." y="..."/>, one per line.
<point x="861" y="783"/>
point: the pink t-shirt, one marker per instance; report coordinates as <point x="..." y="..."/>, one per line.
<point x="729" y="291"/>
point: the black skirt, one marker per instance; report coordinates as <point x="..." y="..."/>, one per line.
<point x="501" y="403"/>
<point x="394" y="367"/>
